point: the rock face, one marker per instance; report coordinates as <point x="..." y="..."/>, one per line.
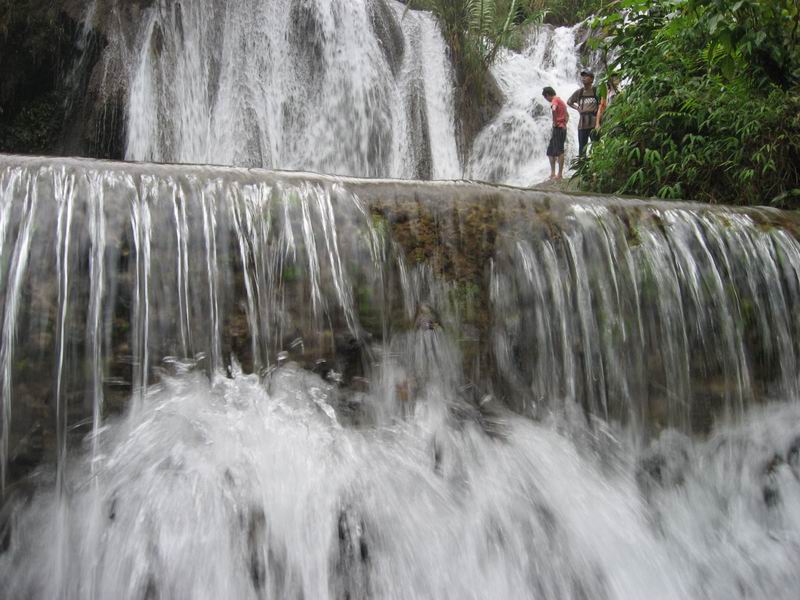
<point x="65" y="77"/>
<point x="388" y="30"/>
<point x="475" y="110"/>
<point x="36" y="50"/>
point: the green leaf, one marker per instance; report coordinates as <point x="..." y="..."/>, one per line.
<point x="728" y="67"/>
<point x="714" y="22"/>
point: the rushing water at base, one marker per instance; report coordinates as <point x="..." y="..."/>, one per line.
<point x="253" y="488"/>
<point x="238" y="383"/>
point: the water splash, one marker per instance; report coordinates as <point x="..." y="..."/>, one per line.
<point x="283" y="501"/>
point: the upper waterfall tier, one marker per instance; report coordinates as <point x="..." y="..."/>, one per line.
<point x="645" y="313"/>
<point x="356" y="87"/>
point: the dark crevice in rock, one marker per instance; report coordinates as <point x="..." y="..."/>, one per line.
<point x="419" y="132"/>
<point x="389" y="34"/>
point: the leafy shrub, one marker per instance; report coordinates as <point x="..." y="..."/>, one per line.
<point x="566" y="12"/>
<point x="711" y="109"/>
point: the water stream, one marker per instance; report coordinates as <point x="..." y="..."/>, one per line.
<point x="357" y="87"/>
<point x="241" y="383"/>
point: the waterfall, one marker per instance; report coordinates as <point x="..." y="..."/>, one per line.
<point x="357" y="87"/>
<point x="511" y="149"/>
<point x="235" y="382"/>
<point x="360" y="87"/>
<point x="653" y="322"/>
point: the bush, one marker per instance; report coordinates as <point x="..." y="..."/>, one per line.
<point x="700" y="139"/>
<point x="711" y="109"/>
<point x="567" y="12"/>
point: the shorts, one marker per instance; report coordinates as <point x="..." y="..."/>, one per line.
<point x="557" y="141"/>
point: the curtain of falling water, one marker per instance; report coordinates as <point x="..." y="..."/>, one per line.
<point x="352" y="450"/>
<point x="121" y="271"/>
<point x="653" y="316"/>
<point x="15" y="262"/>
<point x="358" y="87"/>
<point x="665" y="320"/>
<point x="64" y="192"/>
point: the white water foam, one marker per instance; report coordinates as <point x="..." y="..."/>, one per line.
<point x="246" y="489"/>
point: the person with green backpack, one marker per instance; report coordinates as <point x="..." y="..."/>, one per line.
<point x="586" y="102"/>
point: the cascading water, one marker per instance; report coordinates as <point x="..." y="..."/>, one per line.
<point x="655" y="320"/>
<point x="245" y="384"/>
<point x="361" y="88"/>
<point x="357" y="87"/>
<point x="511" y="149"/>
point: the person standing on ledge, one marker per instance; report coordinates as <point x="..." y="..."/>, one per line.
<point x="555" y="149"/>
<point x="585" y="101"/>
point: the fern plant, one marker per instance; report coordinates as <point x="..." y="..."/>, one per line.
<point x="476" y="30"/>
<point x="481" y="16"/>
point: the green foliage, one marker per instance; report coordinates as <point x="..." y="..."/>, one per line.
<point x="568" y="12"/>
<point x="711" y="107"/>
<point x="751" y="34"/>
<point x="481" y="16"/>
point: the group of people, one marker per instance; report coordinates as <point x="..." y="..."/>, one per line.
<point x="590" y="109"/>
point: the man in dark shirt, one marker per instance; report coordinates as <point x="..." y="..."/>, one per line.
<point x="585" y="101"/>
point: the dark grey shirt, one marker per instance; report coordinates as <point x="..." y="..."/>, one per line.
<point x="588" y="104"/>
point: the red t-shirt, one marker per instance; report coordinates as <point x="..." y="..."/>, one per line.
<point x="559" y="108"/>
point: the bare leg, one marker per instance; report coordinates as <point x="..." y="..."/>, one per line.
<point x="560" y="166"/>
<point x="552" y="160"/>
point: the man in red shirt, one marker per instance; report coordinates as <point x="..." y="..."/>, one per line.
<point x="555" y="149"/>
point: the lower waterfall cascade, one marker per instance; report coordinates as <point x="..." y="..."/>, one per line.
<point x="226" y="382"/>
